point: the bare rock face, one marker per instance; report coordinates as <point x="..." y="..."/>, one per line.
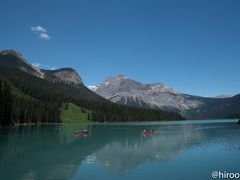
<point x="126" y="91"/>
<point x="67" y="75"/>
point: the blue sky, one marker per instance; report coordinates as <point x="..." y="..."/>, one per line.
<point x="192" y="46"/>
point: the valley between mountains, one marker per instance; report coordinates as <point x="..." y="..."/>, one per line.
<point x="32" y="95"/>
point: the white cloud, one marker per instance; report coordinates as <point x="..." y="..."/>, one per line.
<point x="39" y="29"/>
<point x="41" y="32"/>
<point x="44" y="36"/>
<point x="36" y="64"/>
<point x="41" y="66"/>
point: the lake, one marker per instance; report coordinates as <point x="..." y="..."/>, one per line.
<point x="176" y="150"/>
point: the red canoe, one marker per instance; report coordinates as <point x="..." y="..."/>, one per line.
<point x="147" y="132"/>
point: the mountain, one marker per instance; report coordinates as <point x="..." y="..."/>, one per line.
<point x="123" y="90"/>
<point x="222" y="96"/>
<point x="217" y="108"/>
<point x="67" y="75"/>
<point x="37" y="95"/>
<point x="126" y="91"/>
<point x="13" y="59"/>
<point x="16" y="69"/>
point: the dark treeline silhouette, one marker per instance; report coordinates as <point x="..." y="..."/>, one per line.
<point x="5" y="104"/>
<point x="17" y="108"/>
<point x="234" y="116"/>
<point x="29" y="99"/>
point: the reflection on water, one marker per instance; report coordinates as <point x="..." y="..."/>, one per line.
<point x="118" y="151"/>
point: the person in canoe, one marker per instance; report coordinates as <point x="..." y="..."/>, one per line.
<point x="78" y="133"/>
<point x="85" y="131"/>
<point x="147" y="132"/>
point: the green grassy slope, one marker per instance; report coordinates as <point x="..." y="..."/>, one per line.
<point x="71" y="113"/>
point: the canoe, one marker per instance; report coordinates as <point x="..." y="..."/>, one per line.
<point x="78" y="133"/>
<point x="147" y="132"/>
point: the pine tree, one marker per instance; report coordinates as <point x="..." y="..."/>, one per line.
<point x="6" y="104"/>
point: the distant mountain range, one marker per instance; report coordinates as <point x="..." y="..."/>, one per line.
<point x="39" y="95"/>
<point x="222" y="96"/>
<point x="123" y="90"/>
<point x="116" y="99"/>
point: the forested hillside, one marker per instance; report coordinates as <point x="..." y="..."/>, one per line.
<point x="15" y="107"/>
<point x="29" y="98"/>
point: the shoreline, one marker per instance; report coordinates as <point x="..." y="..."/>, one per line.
<point x="167" y="122"/>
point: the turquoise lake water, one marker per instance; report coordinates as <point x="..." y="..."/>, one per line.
<point x="177" y="150"/>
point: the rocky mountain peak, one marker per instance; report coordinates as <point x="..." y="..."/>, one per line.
<point x="121" y="83"/>
<point x="122" y="90"/>
<point x="121" y="77"/>
<point x="16" y="54"/>
<point x="12" y="58"/>
<point x="67" y="75"/>
<point x="11" y="52"/>
<point x="116" y="78"/>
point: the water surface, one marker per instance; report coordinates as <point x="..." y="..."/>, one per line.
<point x="177" y="150"/>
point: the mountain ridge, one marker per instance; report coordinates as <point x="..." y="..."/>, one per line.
<point x="15" y="59"/>
<point x="119" y="90"/>
<point x="67" y="75"/>
<point x="159" y="96"/>
<point x="11" y="58"/>
<point x="31" y="98"/>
